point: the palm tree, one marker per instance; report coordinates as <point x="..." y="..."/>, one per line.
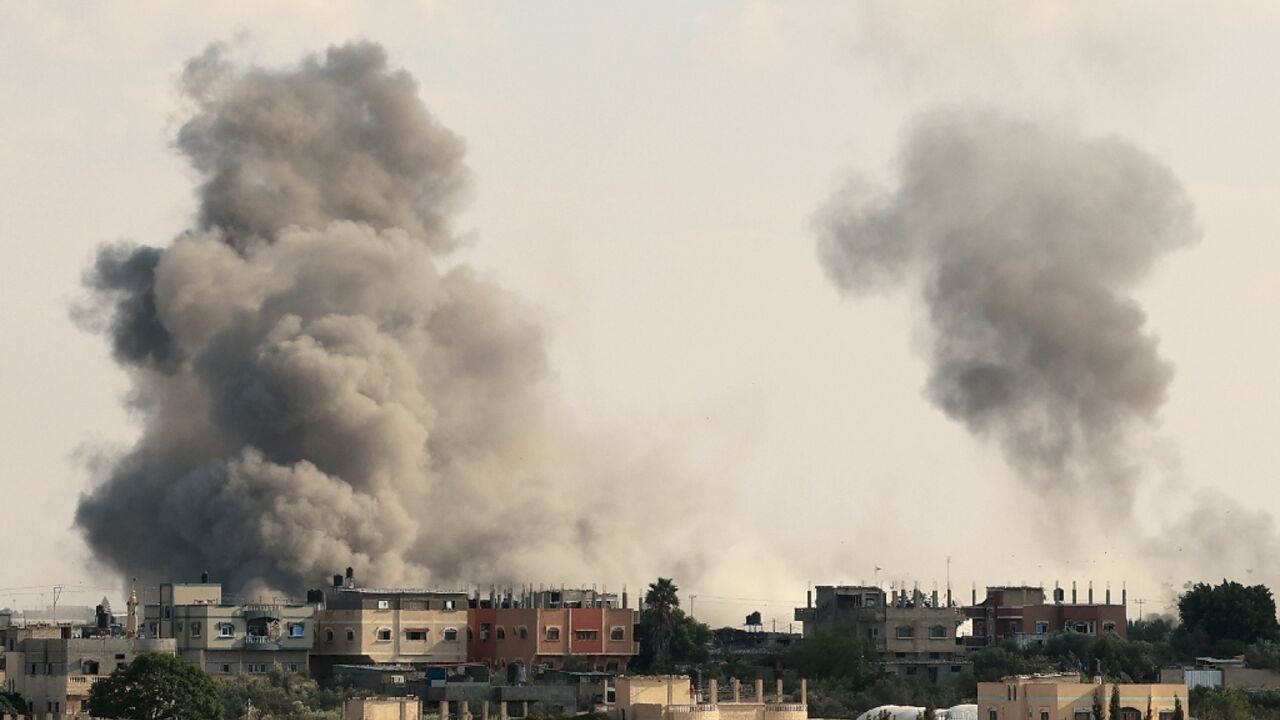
<point x="660" y="604"/>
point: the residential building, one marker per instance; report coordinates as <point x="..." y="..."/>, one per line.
<point x="372" y="626"/>
<point x="668" y="697"/>
<point x="226" y="637"/>
<point x="1021" y="613"/>
<point x="546" y="628"/>
<point x="12" y="633"/>
<point x="1065" y="697"/>
<point x="54" y="675"/>
<point x="1222" y="672"/>
<point x="398" y="708"/>
<point x="914" y="634"/>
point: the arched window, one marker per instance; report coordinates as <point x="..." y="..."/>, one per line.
<point x="937" y="632"/>
<point x="328" y="635"/>
<point x="450" y="633"/>
<point x="906" y="632"/>
<point x="553" y="633"/>
<point x="617" y="633"/>
<point x="351" y="635"/>
<point x="523" y="632"/>
<point x="502" y="633"/>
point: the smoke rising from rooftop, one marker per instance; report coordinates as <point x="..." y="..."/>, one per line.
<point x="316" y="390"/>
<point x="1027" y="244"/>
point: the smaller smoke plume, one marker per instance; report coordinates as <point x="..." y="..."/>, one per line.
<point x="1027" y="243"/>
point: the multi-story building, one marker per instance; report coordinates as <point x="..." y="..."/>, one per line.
<point x="54" y="675"/>
<point x="1064" y="697"/>
<point x="371" y="626"/>
<point x="546" y="628"/>
<point x="1022" y="614"/>
<point x="914" y="634"/>
<point x="229" y="637"/>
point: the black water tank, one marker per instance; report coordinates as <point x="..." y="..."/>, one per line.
<point x="337" y="581"/>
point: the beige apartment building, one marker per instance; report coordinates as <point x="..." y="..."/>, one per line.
<point x="914" y="634"/>
<point x="370" y="626"/>
<point x="1064" y="697"/>
<point x="55" y="675"/>
<point x="226" y="638"/>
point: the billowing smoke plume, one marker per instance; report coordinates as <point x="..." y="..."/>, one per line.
<point x="316" y="390"/>
<point x="1028" y="244"/>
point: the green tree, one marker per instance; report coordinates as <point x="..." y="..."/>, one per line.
<point x="280" y="695"/>
<point x="1097" y="706"/>
<point x="660" y="605"/>
<point x="153" y="687"/>
<point x="930" y="712"/>
<point x="1178" y="712"/>
<point x="1221" y="704"/>
<point x="835" y="653"/>
<point x="1225" y="618"/>
<point x="12" y="704"/>
<point x="1114" y="711"/>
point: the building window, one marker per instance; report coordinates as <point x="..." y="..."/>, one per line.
<point x="1044" y="715"/>
<point x="195" y="629"/>
<point x="993" y="715"/>
<point x="1166" y="715"/>
<point x="226" y="667"/>
<point x="351" y="635"/>
<point x="1082" y="714"/>
<point x="168" y="612"/>
<point x="297" y="630"/>
<point x="470" y="635"/>
<point x="451" y="634"/>
<point x="179" y="627"/>
<point x="957" y="668"/>
<point x="937" y="632"/>
<point x="484" y="631"/>
<point x="906" y="632"/>
<point x="384" y="604"/>
<point x="1042" y="628"/>
<point x="384" y="634"/>
<point x="258" y="668"/>
<point x="617" y="633"/>
<point x="587" y="634"/>
<point x="523" y="632"/>
<point x="226" y="630"/>
<point x="553" y="632"/>
<point x="328" y="634"/>
<point x="448" y="604"/>
<point x="1108" y="627"/>
<point x="291" y="667"/>
<point x="611" y="666"/>
<point x="416" y="635"/>
<point x="502" y="633"/>
<point x="89" y="667"/>
<point x="911" y="669"/>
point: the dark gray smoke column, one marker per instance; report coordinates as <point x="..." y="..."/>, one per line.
<point x="1027" y="244"/>
<point x="316" y="391"/>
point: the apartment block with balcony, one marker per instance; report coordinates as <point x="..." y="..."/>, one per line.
<point x="914" y="634"/>
<point x="55" y="675"/>
<point x="373" y="626"/>
<point x="1023" y="614"/>
<point x="548" y="628"/>
<point x="227" y="638"/>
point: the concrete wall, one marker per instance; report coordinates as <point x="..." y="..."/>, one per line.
<point x="382" y="709"/>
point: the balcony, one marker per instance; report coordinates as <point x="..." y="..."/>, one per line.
<point x="261" y="642"/>
<point x="261" y="612"/>
<point x="79" y="685"/>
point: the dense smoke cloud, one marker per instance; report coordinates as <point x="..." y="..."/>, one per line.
<point x="1027" y="243"/>
<point x="316" y="390"/>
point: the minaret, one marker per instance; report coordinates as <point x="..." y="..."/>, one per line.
<point x="131" y="625"/>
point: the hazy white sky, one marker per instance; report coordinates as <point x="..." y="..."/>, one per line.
<point x="645" y="179"/>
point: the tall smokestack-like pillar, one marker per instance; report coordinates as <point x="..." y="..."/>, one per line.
<point x="1124" y="597"/>
<point x="1108" y="592"/>
<point x="808" y="598"/>
<point x="974" y="595"/>
<point x="1090" y="592"/>
<point x="1073" y="592"/>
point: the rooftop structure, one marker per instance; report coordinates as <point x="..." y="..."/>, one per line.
<point x="1065" y="697"/>
<point x="1023" y="614"/>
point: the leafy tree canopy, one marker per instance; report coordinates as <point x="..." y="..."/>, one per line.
<point x="154" y="687"/>
<point x="1225" y="618"/>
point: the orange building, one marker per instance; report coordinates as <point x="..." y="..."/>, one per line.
<point x="547" y="628"/>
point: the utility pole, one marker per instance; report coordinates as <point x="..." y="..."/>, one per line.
<point x="57" y="593"/>
<point x="1139" y="602"/>
<point x="691" y="599"/>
